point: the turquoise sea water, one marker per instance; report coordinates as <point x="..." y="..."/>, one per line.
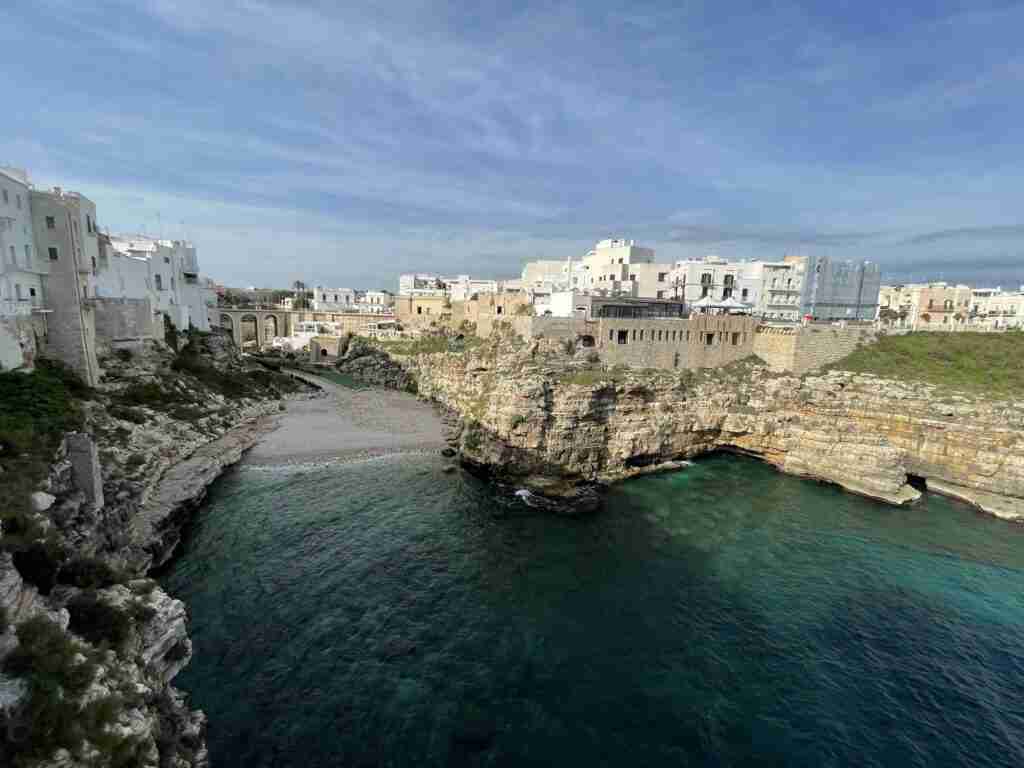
<point x="384" y="613"/>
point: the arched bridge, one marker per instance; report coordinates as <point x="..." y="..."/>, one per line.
<point x="262" y="325"/>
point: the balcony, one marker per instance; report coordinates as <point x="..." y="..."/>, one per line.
<point x="15" y="307"/>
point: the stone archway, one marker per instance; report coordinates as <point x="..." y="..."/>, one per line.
<point x="249" y="331"/>
<point x="271" y="329"/>
<point x="227" y="323"/>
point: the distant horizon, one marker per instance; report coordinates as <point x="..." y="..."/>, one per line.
<point x="450" y="137"/>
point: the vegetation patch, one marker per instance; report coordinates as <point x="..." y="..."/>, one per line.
<point x="36" y="409"/>
<point x="978" y="363"/>
<point x="102" y="623"/>
<point x="58" y="671"/>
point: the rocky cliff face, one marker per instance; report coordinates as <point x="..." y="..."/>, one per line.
<point x="76" y="584"/>
<point x="543" y="415"/>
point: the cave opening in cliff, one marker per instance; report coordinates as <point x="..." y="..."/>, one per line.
<point x="917" y="482"/>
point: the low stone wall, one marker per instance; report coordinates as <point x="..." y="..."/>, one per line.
<point x="801" y="349"/>
<point x="125" y="322"/>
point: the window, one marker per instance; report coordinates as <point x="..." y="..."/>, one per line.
<point x="14" y="256"/>
<point x="623" y="337"/>
<point x="611" y="334"/>
<point x="28" y="255"/>
<point x="7" y="200"/>
<point x="705" y="279"/>
<point x="53" y="253"/>
<point x="500" y="309"/>
<point x="662" y="276"/>
<point x="51" y="223"/>
<point x="634" y="334"/>
<point x="735" y="339"/>
<point x="159" y="282"/>
<point x="709" y="339"/>
<point x="661" y="294"/>
<point x="659" y="335"/>
<point x="167" y="259"/>
<point x="32" y="292"/>
<point x="705" y="290"/>
<point x="743" y="294"/>
<point x="641" y="334"/>
<point x="18" y="199"/>
<point x="419" y="310"/>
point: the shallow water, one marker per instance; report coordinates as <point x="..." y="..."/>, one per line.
<point x="385" y="613"/>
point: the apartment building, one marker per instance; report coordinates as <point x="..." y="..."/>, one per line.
<point x="617" y="267"/>
<point x="996" y="309"/>
<point x="835" y="289"/>
<point x="22" y="270"/>
<point x="935" y="306"/>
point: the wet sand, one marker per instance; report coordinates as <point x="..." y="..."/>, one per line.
<point x="346" y="424"/>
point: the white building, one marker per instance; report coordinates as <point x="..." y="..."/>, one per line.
<point x="375" y="302"/>
<point x="22" y="271"/>
<point x="617" y="267"/>
<point x="420" y="284"/>
<point x="547" y="276"/>
<point x="164" y="271"/>
<point x="334" y="299"/>
<point x="464" y="287"/>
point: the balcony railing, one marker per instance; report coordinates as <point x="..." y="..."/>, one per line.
<point x="14" y="307"/>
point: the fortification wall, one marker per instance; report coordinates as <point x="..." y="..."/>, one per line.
<point x="121" y="322"/>
<point x="801" y="349"/>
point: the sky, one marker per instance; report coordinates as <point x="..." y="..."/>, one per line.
<point x="345" y="143"/>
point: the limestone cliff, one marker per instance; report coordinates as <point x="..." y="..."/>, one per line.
<point x="546" y="414"/>
<point x="74" y="565"/>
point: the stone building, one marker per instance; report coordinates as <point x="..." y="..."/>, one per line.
<point x="64" y="226"/>
<point x="333" y="299"/>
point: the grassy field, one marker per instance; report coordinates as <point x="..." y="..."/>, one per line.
<point x="980" y="363"/>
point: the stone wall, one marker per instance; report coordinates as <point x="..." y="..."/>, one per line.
<point x="701" y="341"/>
<point x="126" y="322"/>
<point x="801" y="349"/>
<point x="18" y="341"/>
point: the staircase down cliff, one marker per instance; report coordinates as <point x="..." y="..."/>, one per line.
<point x="549" y="416"/>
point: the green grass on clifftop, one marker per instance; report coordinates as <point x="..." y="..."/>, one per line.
<point x="989" y="364"/>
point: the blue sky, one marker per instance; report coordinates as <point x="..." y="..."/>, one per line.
<point x="343" y="143"/>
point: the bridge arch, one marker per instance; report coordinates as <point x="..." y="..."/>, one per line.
<point x="249" y="331"/>
<point x="271" y="327"/>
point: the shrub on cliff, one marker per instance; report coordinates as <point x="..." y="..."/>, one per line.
<point x="36" y="409"/>
<point x="89" y="573"/>
<point x="58" y="671"/>
<point x="99" y="622"/>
